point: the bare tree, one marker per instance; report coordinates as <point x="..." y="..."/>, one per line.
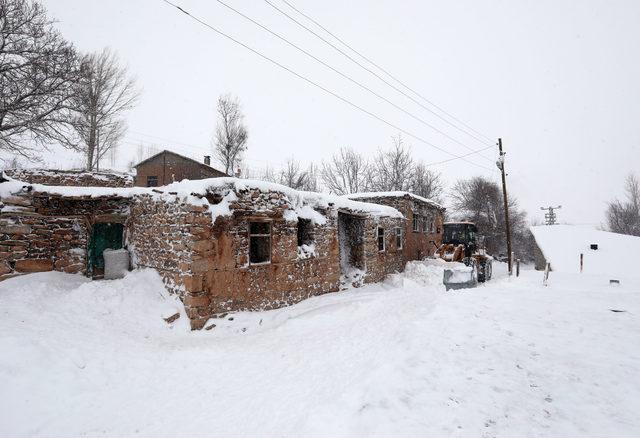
<point x="292" y="175"/>
<point x="103" y="93"/>
<point x="231" y="134"/>
<point x="12" y="163"/>
<point x="624" y="217"/>
<point x="38" y="69"/>
<point x="346" y="172"/>
<point x="392" y="170"/>
<point x="479" y="200"/>
<point x="426" y="183"/>
<point x="268" y="174"/>
<point x="311" y="184"/>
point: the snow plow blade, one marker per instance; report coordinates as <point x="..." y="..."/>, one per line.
<point x="462" y="277"/>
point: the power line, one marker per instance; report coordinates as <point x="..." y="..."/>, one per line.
<point x="364" y="87"/>
<point x="315" y="84"/>
<point x="462" y="156"/>
<point x="382" y="69"/>
<point x="374" y="73"/>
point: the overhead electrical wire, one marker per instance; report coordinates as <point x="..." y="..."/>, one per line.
<point x="326" y="90"/>
<point x="417" y="102"/>
<point x="344" y="43"/>
<point x="364" y="87"/>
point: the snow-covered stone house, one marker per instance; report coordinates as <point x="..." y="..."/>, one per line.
<point x="221" y="244"/>
<point x="424" y="218"/>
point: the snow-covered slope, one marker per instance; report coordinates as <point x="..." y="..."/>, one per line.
<point x="617" y="254"/>
<point x="398" y="359"/>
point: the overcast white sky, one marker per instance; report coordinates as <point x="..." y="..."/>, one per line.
<point x="559" y="81"/>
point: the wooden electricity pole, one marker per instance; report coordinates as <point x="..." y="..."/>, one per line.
<point x="500" y="165"/>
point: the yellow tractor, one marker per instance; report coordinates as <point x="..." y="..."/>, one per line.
<point x="460" y="243"/>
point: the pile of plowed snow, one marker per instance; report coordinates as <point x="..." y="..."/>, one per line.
<point x="616" y="256"/>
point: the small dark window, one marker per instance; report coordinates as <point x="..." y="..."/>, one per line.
<point x="380" y="239"/>
<point x="399" y="240"/>
<point x="416" y="223"/>
<point x="305" y="232"/>
<point x="152" y="181"/>
<point x="259" y="242"/>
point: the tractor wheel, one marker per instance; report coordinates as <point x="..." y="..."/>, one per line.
<point x="484" y="271"/>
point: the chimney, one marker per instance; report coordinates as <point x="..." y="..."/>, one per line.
<point x="207" y="160"/>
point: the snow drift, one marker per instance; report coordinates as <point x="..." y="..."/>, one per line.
<point x="616" y="256"/>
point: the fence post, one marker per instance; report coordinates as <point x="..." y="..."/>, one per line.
<point x="547" y="268"/>
<point x="581" y="261"/>
<point x="517" y="267"/>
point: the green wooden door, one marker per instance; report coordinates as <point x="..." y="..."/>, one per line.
<point x="104" y="235"/>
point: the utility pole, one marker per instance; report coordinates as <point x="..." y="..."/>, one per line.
<point x="551" y="215"/>
<point x="500" y="164"/>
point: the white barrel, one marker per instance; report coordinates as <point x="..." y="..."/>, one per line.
<point x="116" y="263"/>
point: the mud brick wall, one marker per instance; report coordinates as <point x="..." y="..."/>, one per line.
<point x="379" y="264"/>
<point x="70" y="178"/>
<point x="417" y="244"/>
<point x="162" y="234"/>
<point x="230" y="283"/>
<point x="44" y="232"/>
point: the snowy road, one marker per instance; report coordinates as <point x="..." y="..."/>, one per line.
<point x="405" y="358"/>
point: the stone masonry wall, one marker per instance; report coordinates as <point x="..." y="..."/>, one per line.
<point x="41" y="232"/>
<point x="379" y="264"/>
<point x="231" y="283"/>
<point x="163" y="235"/>
<point x="53" y="177"/>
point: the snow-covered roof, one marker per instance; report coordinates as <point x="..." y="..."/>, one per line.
<point x="394" y="194"/>
<point x="562" y="245"/>
<point x="194" y="192"/>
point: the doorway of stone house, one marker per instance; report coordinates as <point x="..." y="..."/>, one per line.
<point x="351" y="240"/>
<point x="104" y="235"/>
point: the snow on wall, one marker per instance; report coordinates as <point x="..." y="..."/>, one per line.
<point x="393" y="194"/>
<point x="195" y="192"/>
<point x="71" y="177"/>
<point x="562" y="245"/>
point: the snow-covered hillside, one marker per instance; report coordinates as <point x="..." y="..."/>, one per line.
<point x="616" y="256"/>
<point x="398" y="359"/>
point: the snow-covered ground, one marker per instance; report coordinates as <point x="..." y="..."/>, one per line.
<point x="398" y="359"/>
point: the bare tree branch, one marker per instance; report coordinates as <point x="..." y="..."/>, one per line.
<point x="38" y="70"/>
<point x="345" y="173"/>
<point x="392" y="170"/>
<point x="101" y="96"/>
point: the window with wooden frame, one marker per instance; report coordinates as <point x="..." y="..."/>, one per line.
<point x="424" y="224"/>
<point x="399" y="240"/>
<point x="152" y="181"/>
<point x="416" y="223"/>
<point x="259" y="242"/>
<point x="381" y="246"/>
